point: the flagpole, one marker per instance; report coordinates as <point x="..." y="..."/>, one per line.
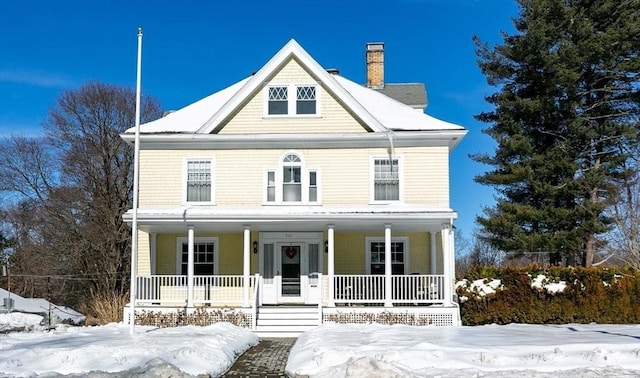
<point x="136" y="168"/>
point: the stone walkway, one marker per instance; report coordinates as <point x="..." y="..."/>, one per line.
<point x="267" y="359"/>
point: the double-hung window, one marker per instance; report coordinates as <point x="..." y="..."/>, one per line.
<point x="292" y="100"/>
<point x="292" y="182"/>
<point x="385" y="179"/>
<point x="291" y="179"/>
<point x="204" y="256"/>
<point x="376" y="256"/>
<point x="199" y="176"/>
<point x="278" y="100"/>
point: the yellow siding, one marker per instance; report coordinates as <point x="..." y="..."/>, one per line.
<point x="230" y="253"/>
<point x="144" y="253"/>
<point x="344" y="175"/>
<point x="333" y="117"/>
<point x="350" y="252"/>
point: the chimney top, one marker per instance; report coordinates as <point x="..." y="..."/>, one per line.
<point x="375" y="65"/>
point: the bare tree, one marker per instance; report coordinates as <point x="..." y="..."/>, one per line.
<point x="72" y="188"/>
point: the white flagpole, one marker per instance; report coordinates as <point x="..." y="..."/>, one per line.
<point x="136" y="168"/>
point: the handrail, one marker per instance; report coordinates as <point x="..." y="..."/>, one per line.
<point x="256" y="301"/>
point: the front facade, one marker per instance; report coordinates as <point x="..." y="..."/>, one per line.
<point x="297" y="187"/>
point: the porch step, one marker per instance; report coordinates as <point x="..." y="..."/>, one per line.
<point x="289" y="321"/>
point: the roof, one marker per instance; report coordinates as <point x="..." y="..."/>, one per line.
<point x="374" y="109"/>
<point x="412" y="94"/>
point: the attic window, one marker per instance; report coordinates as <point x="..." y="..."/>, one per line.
<point x="291" y="100"/>
<point x="278" y="103"/>
<point x="306" y="100"/>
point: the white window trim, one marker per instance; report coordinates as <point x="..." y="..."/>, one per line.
<point x="185" y="172"/>
<point x="372" y="193"/>
<point x="380" y="239"/>
<point x="291" y="100"/>
<point x="304" y="182"/>
<point x="185" y="240"/>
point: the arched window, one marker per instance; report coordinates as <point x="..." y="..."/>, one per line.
<point x="292" y="181"/>
<point x="291" y="178"/>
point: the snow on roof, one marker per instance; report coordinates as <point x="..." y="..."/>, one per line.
<point x="393" y="114"/>
<point x="380" y="112"/>
<point x="191" y="117"/>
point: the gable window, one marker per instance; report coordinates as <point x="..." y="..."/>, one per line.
<point x="376" y="256"/>
<point x="292" y="182"/>
<point x="306" y="100"/>
<point x="386" y="179"/>
<point x="278" y="103"/>
<point x="204" y="256"/>
<point x="198" y="183"/>
<point x="292" y="100"/>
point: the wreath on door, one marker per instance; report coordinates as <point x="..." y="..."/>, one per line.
<point x="291" y="252"/>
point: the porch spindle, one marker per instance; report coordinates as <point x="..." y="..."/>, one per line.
<point x="190" y="261"/>
<point x="387" y="266"/>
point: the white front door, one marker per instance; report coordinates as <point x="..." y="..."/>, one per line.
<point x="289" y="266"/>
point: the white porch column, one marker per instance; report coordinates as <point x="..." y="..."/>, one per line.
<point x="154" y="243"/>
<point x="246" y="262"/>
<point x="191" y="241"/>
<point x="434" y="259"/>
<point x="446" y="261"/>
<point x="387" y="266"/>
<point x="330" y="264"/>
<point x="452" y="249"/>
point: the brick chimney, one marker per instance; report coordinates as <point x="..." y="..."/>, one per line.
<point x="375" y="65"/>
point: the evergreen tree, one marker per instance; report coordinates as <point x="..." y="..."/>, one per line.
<point x="565" y="116"/>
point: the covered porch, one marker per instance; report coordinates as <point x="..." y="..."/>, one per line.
<point x="347" y="262"/>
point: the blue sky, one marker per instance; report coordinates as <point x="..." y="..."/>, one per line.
<point x="194" y="48"/>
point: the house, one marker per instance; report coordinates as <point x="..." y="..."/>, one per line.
<point x="296" y="197"/>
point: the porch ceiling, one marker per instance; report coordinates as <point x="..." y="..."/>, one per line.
<point x="284" y="218"/>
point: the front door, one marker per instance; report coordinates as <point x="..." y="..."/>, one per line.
<point x="290" y="257"/>
<point x="289" y="267"/>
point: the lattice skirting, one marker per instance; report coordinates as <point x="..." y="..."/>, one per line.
<point x="201" y="316"/>
<point x="440" y="317"/>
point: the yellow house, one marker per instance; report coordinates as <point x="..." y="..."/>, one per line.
<point x="296" y="197"/>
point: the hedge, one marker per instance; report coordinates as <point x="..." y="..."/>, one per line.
<point x="590" y="295"/>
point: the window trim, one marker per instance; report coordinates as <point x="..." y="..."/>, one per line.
<point x="304" y="182"/>
<point x="292" y="100"/>
<point x="372" y="175"/>
<point x="185" y="177"/>
<point x="378" y="239"/>
<point x="198" y="240"/>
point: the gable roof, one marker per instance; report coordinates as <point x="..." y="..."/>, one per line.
<point x="378" y="112"/>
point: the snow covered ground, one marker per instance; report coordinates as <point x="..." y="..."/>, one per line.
<point x="328" y="351"/>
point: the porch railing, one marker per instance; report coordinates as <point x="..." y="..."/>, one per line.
<point x="207" y="290"/>
<point x="405" y="289"/>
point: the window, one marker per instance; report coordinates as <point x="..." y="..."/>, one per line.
<point x="313" y="186"/>
<point x="306" y="100"/>
<point x="292" y="100"/>
<point x="386" y="180"/>
<point x="292" y="182"/>
<point x="204" y="256"/>
<point x="291" y="179"/>
<point x="376" y="257"/>
<point x="199" y="181"/>
<point x="271" y="186"/>
<point x="278" y="103"/>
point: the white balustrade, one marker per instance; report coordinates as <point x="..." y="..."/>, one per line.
<point x="370" y="289"/>
<point x="210" y="290"/>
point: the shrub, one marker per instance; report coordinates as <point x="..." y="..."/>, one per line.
<point x="600" y="295"/>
